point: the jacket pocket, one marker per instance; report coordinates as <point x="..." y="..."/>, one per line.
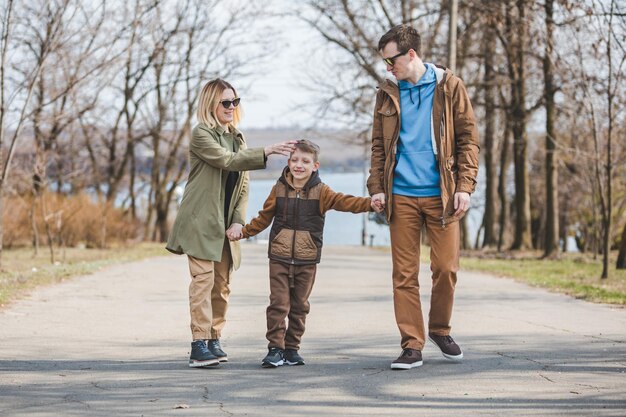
<point x="281" y="244"/>
<point x="390" y="122"/>
<point x="305" y="247"/>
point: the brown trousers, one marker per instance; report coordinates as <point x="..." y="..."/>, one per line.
<point x="208" y="294"/>
<point x="409" y="215"/>
<point x="290" y="288"/>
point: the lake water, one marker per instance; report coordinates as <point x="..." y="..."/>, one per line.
<point x="346" y="228"/>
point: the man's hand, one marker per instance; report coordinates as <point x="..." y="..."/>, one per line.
<point x="378" y="202"/>
<point x="234" y="232"/>
<point x="461" y="203"/>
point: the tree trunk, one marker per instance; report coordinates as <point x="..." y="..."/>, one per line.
<point x="621" y="256"/>
<point x="505" y="160"/>
<point x="489" y="219"/>
<point x="522" y="238"/>
<point x="453" y="7"/>
<point x="551" y="241"/>
<point x="465" y="238"/>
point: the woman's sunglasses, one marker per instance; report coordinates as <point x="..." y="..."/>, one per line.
<point x="228" y="103"/>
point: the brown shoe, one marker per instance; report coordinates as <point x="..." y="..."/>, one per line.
<point x="448" y="346"/>
<point x="410" y="358"/>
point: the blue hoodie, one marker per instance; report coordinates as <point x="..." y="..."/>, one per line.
<point x="416" y="173"/>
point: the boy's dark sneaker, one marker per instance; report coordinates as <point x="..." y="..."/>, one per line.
<point x="273" y="359"/>
<point x="410" y="358"/>
<point x="448" y="346"/>
<point x="201" y="355"/>
<point x="216" y="350"/>
<point x="293" y="358"/>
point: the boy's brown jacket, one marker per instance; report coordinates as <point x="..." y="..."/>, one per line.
<point x="454" y="135"/>
<point x="298" y="218"/>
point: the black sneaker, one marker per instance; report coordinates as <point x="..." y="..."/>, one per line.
<point x="293" y="358"/>
<point x="273" y="359"/>
<point x="201" y="355"/>
<point x="448" y="346"/>
<point x="216" y="350"/>
<point x="410" y="358"/>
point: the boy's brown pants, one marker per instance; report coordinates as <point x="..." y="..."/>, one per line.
<point x="409" y="215"/>
<point x="208" y="295"/>
<point x="290" y="287"/>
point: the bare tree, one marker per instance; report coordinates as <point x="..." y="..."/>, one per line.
<point x="18" y="102"/>
<point x="194" y="49"/>
<point x="490" y="143"/>
<point x="551" y="240"/>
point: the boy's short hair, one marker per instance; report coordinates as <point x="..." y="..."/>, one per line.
<point x="405" y="36"/>
<point x="306" y="146"/>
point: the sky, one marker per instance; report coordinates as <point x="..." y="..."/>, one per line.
<point x="271" y="97"/>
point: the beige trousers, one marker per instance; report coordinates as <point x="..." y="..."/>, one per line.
<point x="410" y="215"/>
<point x="208" y="294"/>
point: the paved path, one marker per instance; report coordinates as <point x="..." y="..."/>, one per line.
<point x="116" y="343"/>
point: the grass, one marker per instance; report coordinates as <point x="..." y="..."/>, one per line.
<point x="574" y="274"/>
<point x="22" y="271"/>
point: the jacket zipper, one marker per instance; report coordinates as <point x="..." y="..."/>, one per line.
<point x="393" y="149"/>
<point x="441" y="158"/>
<point x="295" y="227"/>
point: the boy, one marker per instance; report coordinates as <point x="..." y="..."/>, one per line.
<point x="297" y="204"/>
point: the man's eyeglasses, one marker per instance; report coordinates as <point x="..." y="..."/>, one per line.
<point x="392" y="60"/>
<point x="228" y="103"/>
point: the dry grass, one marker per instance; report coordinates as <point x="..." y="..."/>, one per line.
<point x="22" y="271"/>
<point x="70" y="220"/>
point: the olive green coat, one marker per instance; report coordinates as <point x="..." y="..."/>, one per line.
<point x="199" y="228"/>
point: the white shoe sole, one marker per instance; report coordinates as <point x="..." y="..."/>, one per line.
<point x="202" y="364"/>
<point x="293" y="363"/>
<point x="405" y="366"/>
<point x="271" y="364"/>
<point x="453" y="358"/>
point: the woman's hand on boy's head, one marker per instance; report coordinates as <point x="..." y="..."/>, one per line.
<point x="282" y="148"/>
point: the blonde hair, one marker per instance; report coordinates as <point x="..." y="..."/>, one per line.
<point x="209" y="99"/>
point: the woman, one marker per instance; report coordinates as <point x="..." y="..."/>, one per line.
<point x="214" y="205"/>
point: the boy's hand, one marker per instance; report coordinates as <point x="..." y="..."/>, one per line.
<point x="234" y="232"/>
<point x="378" y="202"/>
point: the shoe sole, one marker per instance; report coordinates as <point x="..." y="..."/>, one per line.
<point x="203" y="364"/>
<point x="405" y="366"/>
<point x="453" y="358"/>
<point x="272" y="364"/>
<point x="294" y="363"/>
<point x="223" y="359"/>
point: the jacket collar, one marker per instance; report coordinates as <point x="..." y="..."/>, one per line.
<point x="220" y="131"/>
<point x="390" y="86"/>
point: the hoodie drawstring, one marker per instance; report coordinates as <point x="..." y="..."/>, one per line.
<point x="419" y="96"/>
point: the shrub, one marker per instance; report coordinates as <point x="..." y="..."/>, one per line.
<point x="70" y="220"/>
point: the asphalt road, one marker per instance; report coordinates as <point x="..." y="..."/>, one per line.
<point x="117" y="343"/>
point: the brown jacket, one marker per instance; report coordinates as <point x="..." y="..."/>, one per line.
<point x="455" y="140"/>
<point x="298" y="218"/>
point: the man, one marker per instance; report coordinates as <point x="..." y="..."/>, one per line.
<point x="423" y="170"/>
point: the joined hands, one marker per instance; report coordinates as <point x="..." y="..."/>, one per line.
<point x="234" y="232"/>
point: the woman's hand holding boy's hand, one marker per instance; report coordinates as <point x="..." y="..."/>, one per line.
<point x="234" y="232"/>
